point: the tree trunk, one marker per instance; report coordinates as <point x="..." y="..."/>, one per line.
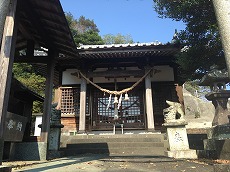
<point x="222" y="10"/>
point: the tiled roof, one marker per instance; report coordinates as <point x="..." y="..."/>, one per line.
<point x="127" y="50"/>
<point x="119" y="45"/>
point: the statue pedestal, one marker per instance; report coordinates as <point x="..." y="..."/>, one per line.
<point x="178" y="140"/>
<point x="55" y="133"/>
<point x="54" y="140"/>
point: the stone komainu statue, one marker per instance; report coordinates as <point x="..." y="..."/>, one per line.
<point x="55" y="114"/>
<point x="173" y="112"/>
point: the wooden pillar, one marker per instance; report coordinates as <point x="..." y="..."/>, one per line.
<point x="57" y="97"/>
<point x="6" y="65"/>
<point x="149" y="102"/>
<point x="82" y="106"/>
<point x="4" y="7"/>
<point x="222" y="10"/>
<point x="48" y="99"/>
<point x="27" y="112"/>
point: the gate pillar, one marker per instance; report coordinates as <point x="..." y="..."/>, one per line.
<point x="149" y="102"/>
<point x="82" y="106"/>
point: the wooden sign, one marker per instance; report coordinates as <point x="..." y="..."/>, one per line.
<point x="14" y="127"/>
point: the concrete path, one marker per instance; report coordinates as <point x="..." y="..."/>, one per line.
<point x="103" y="163"/>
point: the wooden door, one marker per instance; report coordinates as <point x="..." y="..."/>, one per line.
<point x="131" y="112"/>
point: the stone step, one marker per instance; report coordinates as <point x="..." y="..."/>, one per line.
<point x="119" y="144"/>
<point x="88" y="136"/>
<point x="102" y="140"/>
<point x="143" y="151"/>
<point x="115" y="145"/>
<point x="134" y="137"/>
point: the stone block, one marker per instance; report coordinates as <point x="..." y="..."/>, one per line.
<point x="209" y="144"/>
<point x="182" y="154"/>
<point x="29" y="151"/>
<point x="220" y="132"/>
<point x="209" y="154"/>
<point x="223" y="149"/>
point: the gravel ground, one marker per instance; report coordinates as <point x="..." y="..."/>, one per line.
<point x="103" y="163"/>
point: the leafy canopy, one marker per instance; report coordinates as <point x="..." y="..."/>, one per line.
<point x="84" y="30"/>
<point x="117" y="39"/>
<point x="201" y="36"/>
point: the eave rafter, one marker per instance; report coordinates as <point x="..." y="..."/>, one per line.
<point x="35" y="21"/>
<point x="31" y="59"/>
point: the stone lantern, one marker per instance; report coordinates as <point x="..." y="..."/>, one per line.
<point x="217" y="144"/>
<point x="217" y="80"/>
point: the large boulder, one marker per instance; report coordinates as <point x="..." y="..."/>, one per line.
<point x="199" y="113"/>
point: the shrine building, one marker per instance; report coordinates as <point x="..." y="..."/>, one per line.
<point x="124" y="83"/>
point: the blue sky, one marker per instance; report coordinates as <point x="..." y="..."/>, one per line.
<point x="134" y="17"/>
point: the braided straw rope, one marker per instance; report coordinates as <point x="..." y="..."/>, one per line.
<point x="116" y="92"/>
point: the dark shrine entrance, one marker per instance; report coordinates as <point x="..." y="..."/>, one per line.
<point x="131" y="112"/>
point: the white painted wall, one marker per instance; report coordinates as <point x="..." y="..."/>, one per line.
<point x="68" y="78"/>
<point x="166" y="74"/>
<point x="38" y="121"/>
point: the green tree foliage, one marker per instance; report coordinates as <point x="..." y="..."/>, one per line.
<point x="117" y="39"/>
<point x="89" y="38"/>
<point x="35" y="82"/>
<point x="201" y="36"/>
<point x="84" y="30"/>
